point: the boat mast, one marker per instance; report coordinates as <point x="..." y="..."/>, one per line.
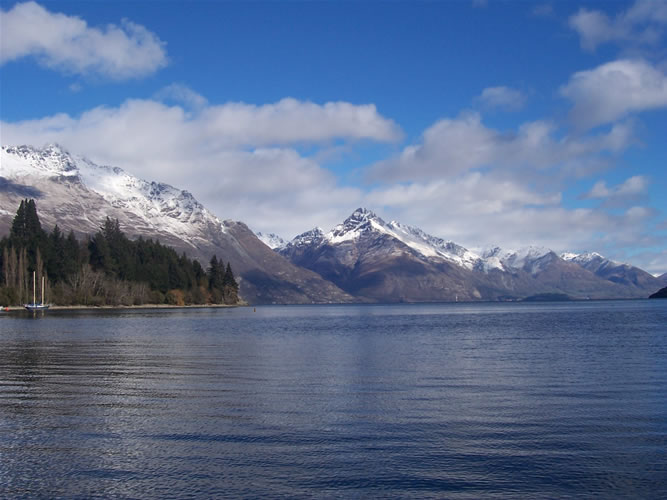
<point x="34" y="286"/>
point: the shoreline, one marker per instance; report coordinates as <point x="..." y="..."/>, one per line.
<point x="142" y="306"/>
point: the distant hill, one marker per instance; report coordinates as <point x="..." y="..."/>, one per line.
<point x="660" y="294"/>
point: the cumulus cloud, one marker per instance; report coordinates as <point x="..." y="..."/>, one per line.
<point x="240" y="160"/>
<point x="291" y="120"/>
<point x="480" y="210"/>
<point x="213" y="127"/>
<point x="68" y="44"/>
<point x="643" y="23"/>
<point x="504" y="98"/>
<point x="614" y="90"/>
<point x="631" y="191"/>
<point x="453" y="146"/>
<point x="634" y="186"/>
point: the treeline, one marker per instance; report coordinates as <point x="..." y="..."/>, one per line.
<point x="105" y="269"/>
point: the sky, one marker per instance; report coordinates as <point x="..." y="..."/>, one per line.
<point x="485" y="123"/>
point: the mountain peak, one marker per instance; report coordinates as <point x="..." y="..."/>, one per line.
<point x="362" y="220"/>
<point x="361" y="216"/>
<point x="271" y="240"/>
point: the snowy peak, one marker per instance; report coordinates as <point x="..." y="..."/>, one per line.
<point x="50" y="161"/>
<point x="593" y="261"/>
<point x="312" y="238"/>
<point x="271" y="240"/>
<point x="362" y="220"/>
<point x="157" y="205"/>
<point x="364" y="223"/>
<point x="532" y="259"/>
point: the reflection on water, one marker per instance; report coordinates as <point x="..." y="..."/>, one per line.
<point x="459" y="400"/>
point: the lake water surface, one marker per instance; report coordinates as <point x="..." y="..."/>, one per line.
<point x="456" y="401"/>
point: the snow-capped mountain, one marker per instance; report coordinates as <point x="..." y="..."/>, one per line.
<point x="363" y="222"/>
<point x="616" y="272"/>
<point x="380" y="261"/>
<point x="271" y="240"/>
<point x="367" y="256"/>
<point x="590" y="260"/>
<point x="78" y="195"/>
<point x="531" y="259"/>
<point x="153" y="207"/>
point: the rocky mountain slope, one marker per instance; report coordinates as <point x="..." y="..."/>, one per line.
<point x="616" y="272"/>
<point x="78" y="195"/>
<point x="370" y="258"/>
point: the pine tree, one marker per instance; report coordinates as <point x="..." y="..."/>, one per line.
<point x="230" y="287"/>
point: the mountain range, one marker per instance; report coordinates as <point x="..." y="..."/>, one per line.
<point x="78" y="195"/>
<point x="370" y="258"/>
<point x="362" y="259"/>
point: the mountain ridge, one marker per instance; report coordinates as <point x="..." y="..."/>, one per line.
<point x="495" y="274"/>
<point x="78" y="195"/>
<point x="364" y="258"/>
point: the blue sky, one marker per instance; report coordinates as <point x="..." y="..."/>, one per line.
<point x="487" y="123"/>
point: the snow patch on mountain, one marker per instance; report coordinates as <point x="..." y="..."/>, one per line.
<point x="531" y="258"/>
<point x="313" y="238"/>
<point x="593" y="261"/>
<point x="158" y="205"/>
<point x="271" y="240"/>
<point x="363" y="222"/>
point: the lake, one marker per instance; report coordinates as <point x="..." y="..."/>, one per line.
<point x="537" y="400"/>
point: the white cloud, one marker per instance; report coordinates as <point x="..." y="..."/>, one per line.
<point x="290" y="120"/>
<point x="239" y="160"/>
<point x="502" y="98"/>
<point x="642" y="24"/>
<point x="634" y="186"/>
<point x="67" y="43"/>
<point x="614" y="90"/>
<point x="654" y="261"/>
<point x="452" y="146"/>
<point x="153" y="127"/>
<point x="480" y="210"/>
<point x="628" y="192"/>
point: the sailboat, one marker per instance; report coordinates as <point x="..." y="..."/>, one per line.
<point x="34" y="306"/>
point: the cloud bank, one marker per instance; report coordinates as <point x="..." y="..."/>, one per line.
<point x="453" y="146"/>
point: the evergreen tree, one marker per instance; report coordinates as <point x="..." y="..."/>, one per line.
<point x="26" y="233"/>
<point x="230" y="288"/>
<point x="216" y="274"/>
<point x="108" y="268"/>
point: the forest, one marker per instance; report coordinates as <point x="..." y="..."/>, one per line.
<point x="105" y="269"/>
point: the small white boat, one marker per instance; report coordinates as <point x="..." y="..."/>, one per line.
<point x="35" y="306"/>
